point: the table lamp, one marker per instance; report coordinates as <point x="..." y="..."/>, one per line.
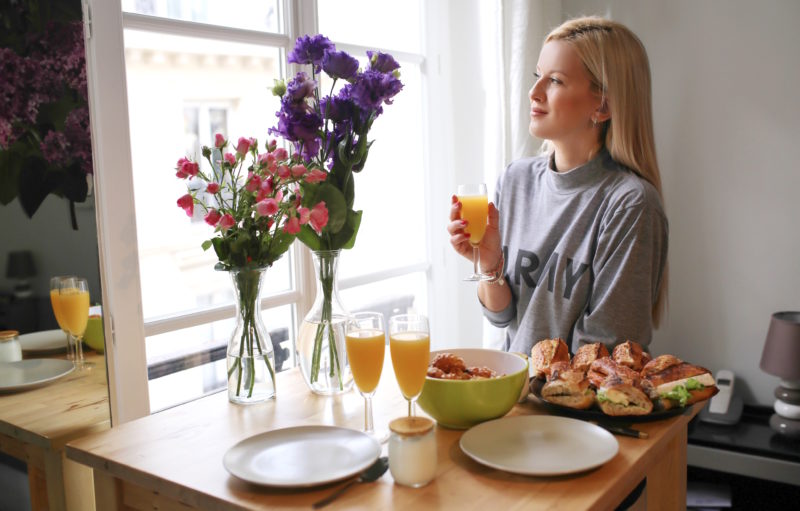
<point x="781" y="357"/>
<point x="20" y="267"/>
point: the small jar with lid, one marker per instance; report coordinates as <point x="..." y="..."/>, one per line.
<point x="10" y="348"/>
<point x="412" y="451"/>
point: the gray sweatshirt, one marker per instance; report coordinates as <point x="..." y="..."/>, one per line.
<point x="585" y="252"/>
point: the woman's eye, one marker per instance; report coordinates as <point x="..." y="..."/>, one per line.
<point x="555" y="81"/>
<point x="537" y="76"/>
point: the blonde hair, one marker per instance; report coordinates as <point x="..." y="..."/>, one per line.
<point x="607" y="48"/>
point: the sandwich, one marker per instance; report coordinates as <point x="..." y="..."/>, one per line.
<point x="630" y="354"/>
<point x="547" y="352"/>
<point x="678" y="383"/>
<point x="587" y="354"/>
<point x="603" y="368"/>
<point x="617" y="398"/>
<point x="568" y="387"/>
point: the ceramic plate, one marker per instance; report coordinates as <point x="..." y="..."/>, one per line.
<point x="26" y="374"/>
<point x="539" y="445"/>
<point x="596" y="414"/>
<point x="301" y="456"/>
<point x="45" y="341"/>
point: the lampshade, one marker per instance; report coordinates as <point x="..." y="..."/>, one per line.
<point x="781" y="355"/>
<point x="20" y="265"/>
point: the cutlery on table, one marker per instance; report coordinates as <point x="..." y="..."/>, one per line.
<point x="371" y="474"/>
<point x="621" y="430"/>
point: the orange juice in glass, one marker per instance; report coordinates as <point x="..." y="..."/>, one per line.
<point x="73" y="305"/>
<point x="410" y="346"/>
<point x="475" y="210"/>
<point x="55" y="302"/>
<point x="365" y="340"/>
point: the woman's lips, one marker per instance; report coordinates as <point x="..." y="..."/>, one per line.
<point x="535" y="112"/>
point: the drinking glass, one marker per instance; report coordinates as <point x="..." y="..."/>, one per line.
<point x="475" y="210"/>
<point x="365" y="339"/>
<point x="55" y="302"/>
<point x="74" y="305"/>
<point x="410" y="346"/>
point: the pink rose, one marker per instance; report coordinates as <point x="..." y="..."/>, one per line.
<point x="292" y="225"/>
<point x="279" y="196"/>
<point x="253" y="182"/>
<point x="212" y="217"/>
<point x="316" y="175"/>
<point x="187" y="168"/>
<point x="281" y="154"/>
<point x="226" y="222"/>
<point x="230" y="158"/>
<point x="186" y="203"/>
<point x="244" y="145"/>
<point x="319" y="217"/>
<point x="298" y="171"/>
<point x="267" y="207"/>
<point x="273" y="144"/>
<point x="212" y="187"/>
<point x="219" y="141"/>
<point x="283" y="171"/>
<point x="305" y="215"/>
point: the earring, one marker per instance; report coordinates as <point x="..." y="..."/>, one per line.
<point x="594" y="122"/>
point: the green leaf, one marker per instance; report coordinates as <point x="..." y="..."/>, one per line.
<point x="34" y="185"/>
<point x="221" y="247"/>
<point x="280" y="244"/>
<point x="309" y="238"/>
<point x="354" y="222"/>
<point x="207" y="244"/>
<point x="336" y="204"/>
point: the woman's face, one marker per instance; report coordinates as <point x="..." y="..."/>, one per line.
<point x="562" y="100"/>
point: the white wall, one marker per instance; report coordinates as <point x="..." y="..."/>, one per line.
<point x="725" y="85"/>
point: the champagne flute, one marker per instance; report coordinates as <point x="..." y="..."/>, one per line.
<point x="55" y="302"/>
<point x="74" y="304"/>
<point x="475" y="210"/>
<point x="365" y="339"/>
<point x="410" y="346"/>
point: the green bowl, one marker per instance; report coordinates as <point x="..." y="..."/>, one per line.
<point x="460" y="404"/>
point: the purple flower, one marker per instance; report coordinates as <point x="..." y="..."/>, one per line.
<point x="310" y="50"/>
<point x="373" y="88"/>
<point x="383" y="62"/>
<point x="298" y="89"/>
<point x="338" y="64"/>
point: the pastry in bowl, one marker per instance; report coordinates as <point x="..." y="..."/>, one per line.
<point x="462" y="403"/>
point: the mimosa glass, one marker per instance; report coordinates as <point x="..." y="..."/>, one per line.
<point x="410" y="346"/>
<point x="475" y="210"/>
<point x="365" y="339"/>
<point x="55" y="301"/>
<point x="74" y="306"/>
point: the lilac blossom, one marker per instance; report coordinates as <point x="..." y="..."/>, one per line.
<point x="382" y="62"/>
<point x="310" y="50"/>
<point x="338" y="64"/>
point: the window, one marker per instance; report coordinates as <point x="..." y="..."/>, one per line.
<point x="192" y="71"/>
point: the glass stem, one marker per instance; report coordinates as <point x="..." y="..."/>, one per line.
<point x="70" y="348"/>
<point x="476" y="258"/>
<point x="368" y="425"/>
<point x="79" y="363"/>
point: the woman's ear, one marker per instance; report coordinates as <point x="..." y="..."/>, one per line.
<point x="603" y="112"/>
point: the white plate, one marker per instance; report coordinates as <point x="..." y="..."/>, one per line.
<point x="539" y="445"/>
<point x="45" y="341"/>
<point x="301" y="456"/>
<point x="26" y="374"/>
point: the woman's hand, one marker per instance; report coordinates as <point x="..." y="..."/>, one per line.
<point x="490" y="250"/>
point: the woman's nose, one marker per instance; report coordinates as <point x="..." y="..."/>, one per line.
<point x="537" y="91"/>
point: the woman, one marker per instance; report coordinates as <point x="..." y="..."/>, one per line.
<point x="577" y="245"/>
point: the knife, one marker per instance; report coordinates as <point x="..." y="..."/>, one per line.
<point x="621" y="430"/>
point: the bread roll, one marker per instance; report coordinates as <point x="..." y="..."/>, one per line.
<point x="568" y="387"/>
<point x="546" y="352"/>
<point x="587" y="354"/>
<point x="605" y="367"/>
<point x="617" y="398"/>
<point x="630" y="354"/>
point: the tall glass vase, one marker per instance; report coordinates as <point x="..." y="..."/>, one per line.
<point x="321" y="341"/>
<point x="251" y="359"/>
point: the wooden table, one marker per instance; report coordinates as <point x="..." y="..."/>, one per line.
<point x="173" y="460"/>
<point x="36" y="424"/>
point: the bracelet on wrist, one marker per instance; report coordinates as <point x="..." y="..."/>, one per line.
<point x="497" y="273"/>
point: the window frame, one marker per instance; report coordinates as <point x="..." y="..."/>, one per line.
<point x="121" y="289"/>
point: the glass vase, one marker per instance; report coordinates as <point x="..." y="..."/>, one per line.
<point x="251" y="359"/>
<point x="320" y="344"/>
